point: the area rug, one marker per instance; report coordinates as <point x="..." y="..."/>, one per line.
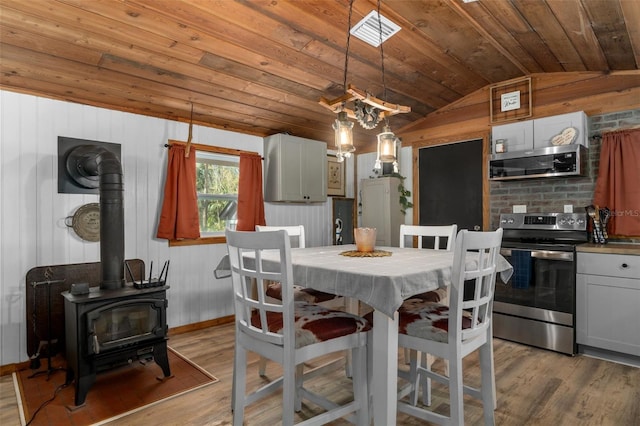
<point x="116" y="393"/>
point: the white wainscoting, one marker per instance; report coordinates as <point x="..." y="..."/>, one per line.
<point x="32" y="213"/>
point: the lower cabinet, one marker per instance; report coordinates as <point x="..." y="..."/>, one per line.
<point x="607" y="302"/>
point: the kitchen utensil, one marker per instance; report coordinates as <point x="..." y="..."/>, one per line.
<point x="595" y="222"/>
<point x="86" y="222"/>
<point x="605" y="215"/>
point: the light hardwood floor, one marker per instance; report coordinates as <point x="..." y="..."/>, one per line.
<point x="535" y="387"/>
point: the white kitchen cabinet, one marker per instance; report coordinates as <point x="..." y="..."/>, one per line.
<point x="607" y="302"/>
<point x="534" y="134"/>
<point x="518" y="136"/>
<point x="381" y="209"/>
<point x="295" y="169"/>
<point x="544" y="129"/>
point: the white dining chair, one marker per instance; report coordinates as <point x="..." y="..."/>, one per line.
<point x="288" y="332"/>
<point x="301" y="294"/>
<point x="455" y="331"/>
<point x="437" y="232"/>
<point x="297" y="237"/>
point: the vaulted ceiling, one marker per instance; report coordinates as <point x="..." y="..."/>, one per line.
<point x="261" y="66"/>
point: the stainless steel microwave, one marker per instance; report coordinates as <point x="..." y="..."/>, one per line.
<point x="552" y="161"/>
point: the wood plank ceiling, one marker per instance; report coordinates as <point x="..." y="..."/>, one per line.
<point x="260" y="66"/>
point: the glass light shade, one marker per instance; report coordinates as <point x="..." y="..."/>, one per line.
<point x="387" y="145"/>
<point x="344" y="136"/>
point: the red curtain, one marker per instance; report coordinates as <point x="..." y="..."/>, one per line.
<point x="250" y="200"/>
<point x="179" y="217"/>
<point x="618" y="184"/>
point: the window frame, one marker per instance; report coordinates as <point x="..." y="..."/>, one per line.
<point x="218" y="239"/>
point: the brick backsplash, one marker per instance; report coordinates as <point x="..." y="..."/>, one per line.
<point x="549" y="195"/>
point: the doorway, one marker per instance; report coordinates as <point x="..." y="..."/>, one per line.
<point x="451" y="183"/>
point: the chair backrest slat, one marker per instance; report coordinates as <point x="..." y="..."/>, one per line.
<point x="474" y="262"/>
<point x="292" y="231"/>
<point x="437" y="232"/>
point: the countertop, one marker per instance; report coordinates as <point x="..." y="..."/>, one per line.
<point x="610" y="248"/>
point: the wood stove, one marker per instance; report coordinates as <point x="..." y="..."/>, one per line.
<point x="108" y="328"/>
<point x="116" y="323"/>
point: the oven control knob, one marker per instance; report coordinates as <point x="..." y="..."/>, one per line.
<point x="510" y="220"/>
<point x="571" y="221"/>
<point x="562" y="221"/>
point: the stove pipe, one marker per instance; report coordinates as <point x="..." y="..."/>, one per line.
<point x="98" y="161"/>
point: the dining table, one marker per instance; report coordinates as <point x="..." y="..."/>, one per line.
<point x="383" y="280"/>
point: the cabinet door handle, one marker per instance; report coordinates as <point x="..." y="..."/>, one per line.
<point x="624" y="266"/>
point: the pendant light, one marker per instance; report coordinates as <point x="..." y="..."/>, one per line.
<point x="387" y="149"/>
<point x="356" y="104"/>
<point x="342" y="126"/>
<point x="344" y="136"/>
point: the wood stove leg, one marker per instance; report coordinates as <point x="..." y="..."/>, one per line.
<point x="161" y="358"/>
<point x="83" y="384"/>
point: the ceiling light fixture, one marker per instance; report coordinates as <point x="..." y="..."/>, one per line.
<point x="387" y="140"/>
<point x="342" y="126"/>
<point x="356" y="104"/>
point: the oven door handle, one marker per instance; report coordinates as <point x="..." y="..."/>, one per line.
<point x="566" y="256"/>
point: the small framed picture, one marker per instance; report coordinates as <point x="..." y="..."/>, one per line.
<point x="510" y="100"/>
<point x="335" y="177"/>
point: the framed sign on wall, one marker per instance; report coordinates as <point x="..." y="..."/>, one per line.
<point x="335" y="177"/>
<point x="510" y="100"/>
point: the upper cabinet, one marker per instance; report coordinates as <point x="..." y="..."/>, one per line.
<point x="295" y="169"/>
<point x="541" y="132"/>
<point x="547" y="128"/>
<point x="514" y="136"/>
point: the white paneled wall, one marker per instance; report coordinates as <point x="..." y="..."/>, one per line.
<point x="32" y="213"/>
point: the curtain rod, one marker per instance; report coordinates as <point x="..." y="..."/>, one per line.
<point x="210" y="148"/>
<point x="598" y="135"/>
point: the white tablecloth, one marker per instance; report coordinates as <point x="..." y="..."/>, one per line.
<point x="380" y="282"/>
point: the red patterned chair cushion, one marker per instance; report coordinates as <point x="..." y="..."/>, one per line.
<point x="435" y="296"/>
<point x="315" y="323"/>
<point x="300" y="294"/>
<point x="426" y="320"/>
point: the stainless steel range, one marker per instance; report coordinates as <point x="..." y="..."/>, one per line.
<point x="537" y="305"/>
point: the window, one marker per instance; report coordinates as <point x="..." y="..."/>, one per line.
<point x="217" y="178"/>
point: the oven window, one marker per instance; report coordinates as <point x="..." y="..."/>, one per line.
<point x="550" y="285"/>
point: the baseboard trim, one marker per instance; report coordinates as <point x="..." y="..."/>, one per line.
<point x="200" y="325"/>
<point x="620" y="358"/>
<point x="8" y="369"/>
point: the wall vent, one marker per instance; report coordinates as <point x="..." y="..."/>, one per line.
<point x="368" y="29"/>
